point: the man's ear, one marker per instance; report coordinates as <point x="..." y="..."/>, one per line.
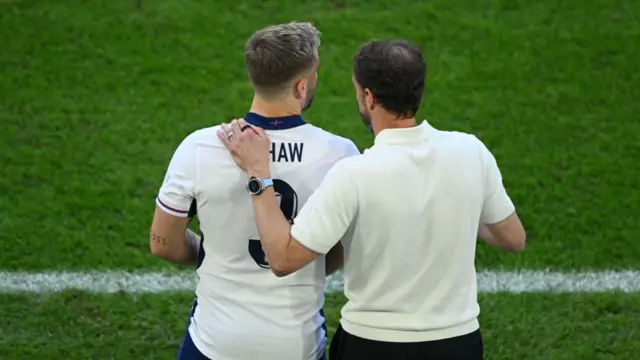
<point x="299" y="89"/>
<point x="369" y="99"/>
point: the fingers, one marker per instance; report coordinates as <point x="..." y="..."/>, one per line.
<point x="260" y="132"/>
<point x="223" y="135"/>
<point x="235" y="127"/>
<point x="237" y="132"/>
<point x="244" y="126"/>
<point x="225" y="129"/>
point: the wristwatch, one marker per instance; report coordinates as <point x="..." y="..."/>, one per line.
<point x="256" y="186"/>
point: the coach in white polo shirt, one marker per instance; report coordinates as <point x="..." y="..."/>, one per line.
<point x="407" y="213"/>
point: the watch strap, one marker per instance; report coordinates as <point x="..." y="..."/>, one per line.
<point x="266" y="182"/>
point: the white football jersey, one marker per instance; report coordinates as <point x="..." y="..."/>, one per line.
<point x="242" y="310"/>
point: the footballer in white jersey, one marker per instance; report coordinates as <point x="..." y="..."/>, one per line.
<point x="242" y="310"/>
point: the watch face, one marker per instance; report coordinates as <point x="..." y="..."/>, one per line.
<point x="254" y="186"/>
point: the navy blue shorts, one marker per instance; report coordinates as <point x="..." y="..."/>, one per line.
<point x="188" y="350"/>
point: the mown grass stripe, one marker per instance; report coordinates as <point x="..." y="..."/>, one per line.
<point x="525" y="281"/>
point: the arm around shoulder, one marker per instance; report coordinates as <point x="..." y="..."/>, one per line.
<point x="326" y="217"/>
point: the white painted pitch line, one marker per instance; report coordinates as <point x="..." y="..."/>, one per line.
<point x="526" y="281"/>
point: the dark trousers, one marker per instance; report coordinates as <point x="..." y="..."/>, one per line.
<point x="345" y="346"/>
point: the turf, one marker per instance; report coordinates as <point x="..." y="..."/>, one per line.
<point x="77" y="325"/>
<point x="96" y="95"/>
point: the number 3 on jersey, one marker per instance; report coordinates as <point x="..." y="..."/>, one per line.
<point x="288" y="206"/>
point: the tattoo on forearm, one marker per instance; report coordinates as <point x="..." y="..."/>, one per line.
<point x="158" y="239"/>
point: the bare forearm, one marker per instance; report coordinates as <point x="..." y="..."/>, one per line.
<point x="486" y="235"/>
<point x="180" y="251"/>
<point x="507" y="235"/>
<point x="273" y="227"/>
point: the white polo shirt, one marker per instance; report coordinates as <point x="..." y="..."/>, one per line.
<point x="407" y="211"/>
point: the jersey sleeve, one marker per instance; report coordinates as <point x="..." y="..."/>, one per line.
<point x="328" y="213"/>
<point x="497" y="205"/>
<point x="177" y="194"/>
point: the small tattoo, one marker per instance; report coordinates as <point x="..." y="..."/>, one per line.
<point x="158" y="239"/>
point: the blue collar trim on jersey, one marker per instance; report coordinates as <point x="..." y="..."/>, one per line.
<point x="274" y="123"/>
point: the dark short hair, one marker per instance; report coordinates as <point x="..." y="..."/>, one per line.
<point x="277" y="54"/>
<point x="394" y="71"/>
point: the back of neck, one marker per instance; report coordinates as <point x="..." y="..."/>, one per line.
<point x="274" y="108"/>
<point x="393" y="123"/>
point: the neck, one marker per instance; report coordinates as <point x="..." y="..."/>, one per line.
<point x="274" y="108"/>
<point x="391" y="121"/>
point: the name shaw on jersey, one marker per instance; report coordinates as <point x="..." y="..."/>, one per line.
<point x="286" y="152"/>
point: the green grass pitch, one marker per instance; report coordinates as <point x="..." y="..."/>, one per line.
<point x="96" y="95"/>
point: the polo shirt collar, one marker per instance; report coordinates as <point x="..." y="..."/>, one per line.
<point x="405" y="135"/>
